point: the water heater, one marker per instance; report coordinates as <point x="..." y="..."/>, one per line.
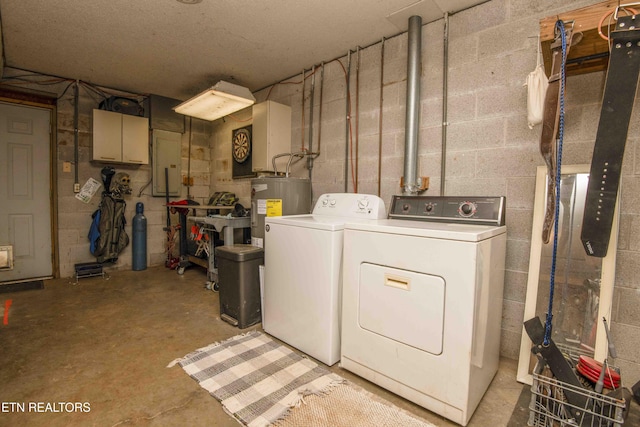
<point x="277" y="196"/>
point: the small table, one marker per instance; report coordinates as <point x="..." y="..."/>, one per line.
<point x="222" y="224"/>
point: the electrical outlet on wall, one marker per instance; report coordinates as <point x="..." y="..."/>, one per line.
<point x="76" y="187"/>
<point x="66" y="166"/>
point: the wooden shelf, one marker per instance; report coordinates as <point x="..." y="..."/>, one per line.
<point x="592" y="52"/>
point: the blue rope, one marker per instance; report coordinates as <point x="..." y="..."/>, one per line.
<point x="552" y="279"/>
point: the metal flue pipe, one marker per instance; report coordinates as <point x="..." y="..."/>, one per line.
<point x="445" y="99"/>
<point x="411" y="184"/>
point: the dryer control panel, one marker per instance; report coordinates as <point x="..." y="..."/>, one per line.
<point x="477" y="210"/>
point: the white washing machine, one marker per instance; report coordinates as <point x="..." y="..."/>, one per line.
<point x="422" y="300"/>
<point x="303" y="272"/>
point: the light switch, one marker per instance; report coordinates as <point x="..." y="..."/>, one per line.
<point x="66" y="166"/>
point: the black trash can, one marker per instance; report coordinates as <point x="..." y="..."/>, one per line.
<point x="239" y="284"/>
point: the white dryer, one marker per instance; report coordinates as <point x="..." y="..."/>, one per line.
<point x="422" y="300"/>
<point x="303" y="272"/>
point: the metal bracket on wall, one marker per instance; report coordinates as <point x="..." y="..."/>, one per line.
<point x="424" y="183"/>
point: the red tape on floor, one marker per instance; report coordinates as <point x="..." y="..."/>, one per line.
<point x="7" y="304"/>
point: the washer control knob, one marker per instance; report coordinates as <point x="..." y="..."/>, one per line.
<point x="428" y="208"/>
<point x="406" y="207"/>
<point x="362" y="204"/>
<point x="325" y="202"/>
<point x="332" y="202"/>
<point x="467" y="209"/>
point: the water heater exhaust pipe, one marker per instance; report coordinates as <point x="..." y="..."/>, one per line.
<point x="411" y="185"/>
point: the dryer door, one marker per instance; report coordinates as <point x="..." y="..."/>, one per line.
<point x="402" y="305"/>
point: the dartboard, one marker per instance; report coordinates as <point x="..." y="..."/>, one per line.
<point x="241" y="145"/>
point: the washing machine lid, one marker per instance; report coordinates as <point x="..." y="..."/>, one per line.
<point x="320" y="222"/>
<point x="437" y="230"/>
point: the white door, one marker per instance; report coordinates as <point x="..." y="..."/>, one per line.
<point x="25" y="191"/>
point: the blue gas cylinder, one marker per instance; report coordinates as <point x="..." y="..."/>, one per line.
<point x="139" y="248"/>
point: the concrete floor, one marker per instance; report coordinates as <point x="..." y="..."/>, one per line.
<point x="108" y="343"/>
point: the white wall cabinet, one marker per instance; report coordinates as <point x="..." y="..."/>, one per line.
<point x="271" y="135"/>
<point x="120" y="138"/>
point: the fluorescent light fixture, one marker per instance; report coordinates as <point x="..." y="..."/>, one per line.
<point x="218" y="101"/>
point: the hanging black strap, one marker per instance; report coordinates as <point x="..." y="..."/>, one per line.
<point x="606" y="164"/>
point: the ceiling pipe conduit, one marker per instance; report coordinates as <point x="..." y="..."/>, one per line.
<point x="312" y="90"/>
<point x="317" y="153"/>
<point x="304" y="82"/>
<point x="76" y="144"/>
<point x="356" y="178"/>
<point x="410" y="185"/>
<point x="381" y="100"/>
<point x="347" y="125"/>
<point x="310" y="156"/>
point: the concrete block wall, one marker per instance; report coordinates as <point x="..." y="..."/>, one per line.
<point x="489" y="148"/>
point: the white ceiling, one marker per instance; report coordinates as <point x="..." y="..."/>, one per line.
<point x="168" y="48"/>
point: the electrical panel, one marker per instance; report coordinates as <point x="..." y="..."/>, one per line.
<point x="167" y="148"/>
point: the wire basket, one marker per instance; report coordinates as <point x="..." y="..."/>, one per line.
<point x="550" y="408"/>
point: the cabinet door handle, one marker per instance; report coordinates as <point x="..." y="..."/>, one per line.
<point x="107" y="158"/>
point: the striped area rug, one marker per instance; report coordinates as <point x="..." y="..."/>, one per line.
<point x="256" y="379"/>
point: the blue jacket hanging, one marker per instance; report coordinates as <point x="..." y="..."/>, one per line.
<point x="94" y="231"/>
